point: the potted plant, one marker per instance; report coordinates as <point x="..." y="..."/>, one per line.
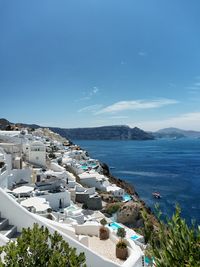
<point x="103" y="231"/>
<point x="121" y="246"/>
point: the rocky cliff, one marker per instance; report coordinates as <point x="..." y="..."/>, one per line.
<point x="118" y="132"/>
<point x="105" y="133"/>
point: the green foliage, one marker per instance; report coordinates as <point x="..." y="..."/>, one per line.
<point x="38" y="248"/>
<point x="112" y="208"/>
<point x="121" y="244"/>
<point x="121" y="232"/>
<point x="176" y="244"/>
<point x="103" y="222"/>
<point x="148" y="226"/>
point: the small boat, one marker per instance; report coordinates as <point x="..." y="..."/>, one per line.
<point x="156" y="195"/>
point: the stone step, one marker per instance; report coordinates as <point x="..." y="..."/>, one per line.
<point x="8" y="230"/>
<point x="3" y="223"/>
<point x="15" y="236"/>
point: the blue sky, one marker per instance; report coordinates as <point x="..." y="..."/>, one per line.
<point x="78" y="63"/>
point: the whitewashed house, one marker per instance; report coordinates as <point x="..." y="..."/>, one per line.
<point x="37" y="153"/>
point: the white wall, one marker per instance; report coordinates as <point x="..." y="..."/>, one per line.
<point x="20" y="217"/>
<point x="54" y="199"/>
<point x="87" y="229"/>
<point x="3" y="240"/>
<point x="93" y="182"/>
<point x="17" y="174"/>
<point x="90" y="191"/>
<point x="56" y="167"/>
<point x="37" y="155"/>
<point x="4" y="174"/>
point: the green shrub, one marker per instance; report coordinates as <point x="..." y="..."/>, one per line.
<point x="38" y="248"/>
<point x="175" y="243"/>
<point x="112" y="208"/>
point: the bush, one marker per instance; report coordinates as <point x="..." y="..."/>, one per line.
<point x="121" y="232"/>
<point x="112" y="208"/>
<point x="38" y="248"/>
<point x="103" y="222"/>
<point x="175" y="243"/>
<point x="121" y="244"/>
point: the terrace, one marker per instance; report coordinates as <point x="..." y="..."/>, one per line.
<point x="105" y="248"/>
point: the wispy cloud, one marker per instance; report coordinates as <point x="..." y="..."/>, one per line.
<point x="94" y="91"/>
<point x="136" y="105"/>
<point x="172" y="85"/>
<point x="197" y="84"/>
<point x="187" y="121"/>
<point x="91" y="108"/>
<point x="90" y="94"/>
<point x="194" y="88"/>
<point x="142" y="53"/>
<point x="118" y="117"/>
<point x="123" y="62"/>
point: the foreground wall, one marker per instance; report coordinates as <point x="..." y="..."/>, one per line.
<point x="20" y="217"/>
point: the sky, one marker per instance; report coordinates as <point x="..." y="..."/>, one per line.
<point x="86" y="63"/>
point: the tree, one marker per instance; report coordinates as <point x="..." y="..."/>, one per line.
<point x="148" y="228"/>
<point x="38" y="248"/>
<point x="103" y="231"/>
<point x="175" y="243"/>
<point x="121" y="232"/>
<point x="121" y="246"/>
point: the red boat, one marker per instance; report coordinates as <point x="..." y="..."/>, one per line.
<point x="156" y="195"/>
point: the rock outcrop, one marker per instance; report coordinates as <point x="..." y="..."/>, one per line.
<point x="122" y="132"/>
<point x="130" y="213"/>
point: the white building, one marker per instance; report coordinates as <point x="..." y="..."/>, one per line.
<point x="37" y="153"/>
<point x="93" y="179"/>
<point x="57" y="200"/>
<point x="115" y="190"/>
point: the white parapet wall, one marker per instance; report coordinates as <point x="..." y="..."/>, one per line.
<point x="88" y="228"/>
<point x="3" y="240"/>
<point x="21" y="218"/>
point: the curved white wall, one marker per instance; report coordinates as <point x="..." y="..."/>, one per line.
<point x="20" y="217"/>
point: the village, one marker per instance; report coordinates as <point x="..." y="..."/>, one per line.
<point x="48" y="180"/>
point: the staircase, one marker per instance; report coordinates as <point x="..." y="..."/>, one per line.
<point x="8" y="230"/>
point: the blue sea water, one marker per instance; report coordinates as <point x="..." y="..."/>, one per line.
<point x="171" y="167"/>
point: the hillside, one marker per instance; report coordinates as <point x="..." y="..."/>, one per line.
<point x="4" y="123"/>
<point x="118" y="132"/>
<point x="176" y="133"/>
<point x="105" y="133"/>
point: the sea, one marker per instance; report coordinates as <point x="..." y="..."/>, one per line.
<point x="169" y="166"/>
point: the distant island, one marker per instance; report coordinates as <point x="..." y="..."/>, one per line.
<point x="176" y="133"/>
<point x="116" y="132"/>
<point x="120" y="132"/>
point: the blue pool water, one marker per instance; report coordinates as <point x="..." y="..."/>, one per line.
<point x="127" y="197"/>
<point x="114" y="225"/>
<point x="171" y="167"/>
<point x="148" y="261"/>
<point x="135" y="237"/>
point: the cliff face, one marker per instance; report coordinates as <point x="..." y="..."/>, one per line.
<point x="118" y="132"/>
<point x="3" y="124"/>
<point x="105" y="133"/>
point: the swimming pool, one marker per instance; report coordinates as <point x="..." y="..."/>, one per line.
<point x="84" y="167"/>
<point x="114" y="225"/>
<point x="149" y="261"/>
<point x="134" y="237"/>
<point x="127" y="197"/>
